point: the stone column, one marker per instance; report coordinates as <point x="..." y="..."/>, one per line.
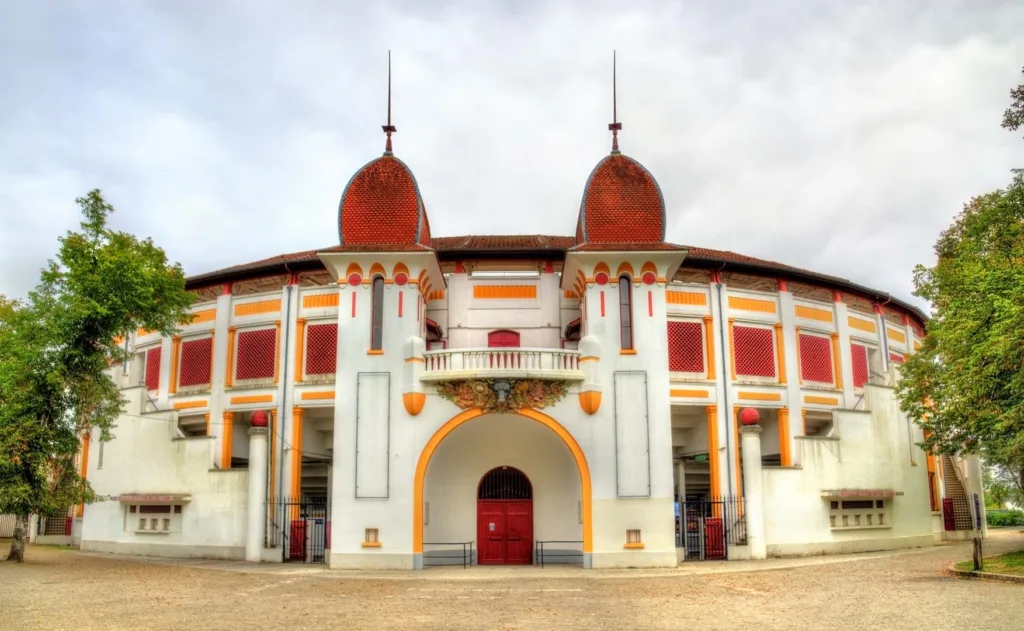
<point x="753" y="496"/>
<point x="257" y="487"/>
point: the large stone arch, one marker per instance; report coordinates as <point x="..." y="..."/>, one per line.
<point x="464" y="417"/>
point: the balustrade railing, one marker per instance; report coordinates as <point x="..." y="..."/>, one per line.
<point x="501" y="361"/>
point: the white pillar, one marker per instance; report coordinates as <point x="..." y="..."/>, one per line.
<point x="257" y="493"/>
<point x="753" y="492"/>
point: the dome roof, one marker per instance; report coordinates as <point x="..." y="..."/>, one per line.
<point x="382" y="205"/>
<point x="622" y="203"/>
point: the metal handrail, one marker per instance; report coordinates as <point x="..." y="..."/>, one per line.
<point x="467" y="550"/>
<point x="541" y="554"/>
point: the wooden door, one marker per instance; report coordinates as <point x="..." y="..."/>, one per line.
<point x="503" y="339"/>
<point x="519" y="532"/>
<point x="490" y="532"/>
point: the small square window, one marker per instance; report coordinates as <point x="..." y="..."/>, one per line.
<point x="633" y="536"/>
<point x="371" y="535"/>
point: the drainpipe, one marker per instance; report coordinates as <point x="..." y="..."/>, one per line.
<point x="282" y="406"/>
<point x="722" y="323"/>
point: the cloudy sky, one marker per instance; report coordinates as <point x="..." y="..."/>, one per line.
<point x="837" y="136"/>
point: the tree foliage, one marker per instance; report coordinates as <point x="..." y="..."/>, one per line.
<point x="966" y="384"/>
<point x="56" y="347"/>
<point x="1013" y="117"/>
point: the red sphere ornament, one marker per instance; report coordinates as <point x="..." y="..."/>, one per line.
<point x="649" y="278"/>
<point x="601" y="278"/>
<point x="401" y="279"/>
<point x="258" y="419"/>
<point x="354" y="279"/>
<point x="749" y="416"/>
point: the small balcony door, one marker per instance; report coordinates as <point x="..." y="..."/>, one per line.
<point x="503" y="339"/>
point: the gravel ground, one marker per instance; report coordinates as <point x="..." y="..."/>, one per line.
<point x="66" y="589"/>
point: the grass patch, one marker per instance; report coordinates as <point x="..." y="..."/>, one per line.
<point x="1012" y="563"/>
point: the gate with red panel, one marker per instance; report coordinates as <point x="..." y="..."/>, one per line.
<point x="301" y="528"/>
<point x="505" y="518"/>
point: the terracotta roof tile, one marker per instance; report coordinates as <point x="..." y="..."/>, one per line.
<point x="622" y="203"/>
<point x="503" y="242"/>
<point x="626" y="247"/>
<point x="382" y="204"/>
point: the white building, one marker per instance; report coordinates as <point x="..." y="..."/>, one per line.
<point x="518" y="399"/>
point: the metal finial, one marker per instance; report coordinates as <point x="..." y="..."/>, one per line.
<point x="389" y="128"/>
<point x="615" y="126"/>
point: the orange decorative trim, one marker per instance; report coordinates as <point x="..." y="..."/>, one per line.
<point x="437" y="294"/>
<point x="649" y="266"/>
<point x="821" y="400"/>
<point x="206" y="315"/>
<point x="370" y="544"/>
<point x="83" y="468"/>
<point x="252" y="398"/>
<point x="712" y="416"/>
<point x="736" y="432"/>
<point x="317" y="395"/>
<point x="141" y="332"/>
<point x="353" y="268"/>
<point x="837" y="363"/>
<point x="624" y="268"/>
<point x="419" y="481"/>
<point x="862" y="325"/>
<point x="568" y="294"/>
<point x="229" y="374"/>
<point x="780" y="351"/>
<point x="709" y="341"/>
<point x="811" y="313"/>
<point x="300" y="349"/>
<point x="175" y="364"/>
<point x="896" y="335"/>
<point x="277" y="351"/>
<point x="633" y="546"/>
<point x="187" y="405"/>
<point x="691" y="394"/>
<point x="377" y="270"/>
<point x="589" y="358"/>
<point x="415" y="360"/>
<point x="917" y="345"/>
<point x="207" y="417"/>
<point x="627" y="351"/>
<point x="226" y="436"/>
<point x="759" y="396"/>
<point x="296" y="457"/>
<point x="400" y="268"/>
<point x="414" y="402"/>
<point x="732" y="349"/>
<point x="692" y="298"/>
<point x="751" y="304"/>
<point x="509" y="292"/>
<point x="784" y="454"/>
<point x="590" y="401"/>
<point x="316" y="301"/>
<point x="256" y="308"/>
<point x="374" y="352"/>
<point x="273" y="462"/>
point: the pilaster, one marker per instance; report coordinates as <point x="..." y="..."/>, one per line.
<point x="787" y="314"/>
<point x="727" y="449"/>
<point x="842" y="355"/>
<point x="218" y="400"/>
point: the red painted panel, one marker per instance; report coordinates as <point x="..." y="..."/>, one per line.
<point x="490" y="532"/>
<point x="503" y="339"/>
<point x="755" y="351"/>
<point x="859" y="356"/>
<point x="520" y="532"/>
<point x="195" y="362"/>
<point x="816" y="358"/>
<point x="685" y="347"/>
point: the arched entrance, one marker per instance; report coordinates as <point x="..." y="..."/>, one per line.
<point x="504" y="530"/>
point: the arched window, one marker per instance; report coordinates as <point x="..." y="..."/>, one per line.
<point x="505" y="483"/>
<point x="626" y="312"/>
<point x="377" y="317"/>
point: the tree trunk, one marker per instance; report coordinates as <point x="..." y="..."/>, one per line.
<point x="17" y="553"/>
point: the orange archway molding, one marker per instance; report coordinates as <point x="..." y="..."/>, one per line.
<point x="468" y="415"/>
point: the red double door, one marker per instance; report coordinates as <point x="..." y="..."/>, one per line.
<point x="504" y="532"/>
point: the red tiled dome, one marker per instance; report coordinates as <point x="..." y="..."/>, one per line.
<point x="622" y="203"/>
<point x="382" y="205"/>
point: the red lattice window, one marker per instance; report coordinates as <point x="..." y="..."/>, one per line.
<point x="859" y="355"/>
<point x="153" y="368"/>
<point x="685" y="347"/>
<point x="755" y="351"/>
<point x="322" y="349"/>
<point x="896" y="358"/>
<point x="816" y="358"/>
<point x="256" y="350"/>
<point x="195" y="362"/>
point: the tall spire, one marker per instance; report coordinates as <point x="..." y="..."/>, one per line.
<point x="615" y="125"/>
<point x="389" y="128"/>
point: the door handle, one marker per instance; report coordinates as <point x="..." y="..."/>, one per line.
<point x="514" y="538"/>
<point x="495" y="538"/>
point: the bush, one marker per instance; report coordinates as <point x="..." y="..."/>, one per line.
<point x="1005" y="518"/>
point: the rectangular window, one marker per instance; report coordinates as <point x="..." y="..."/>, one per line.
<point x="322" y="349"/>
<point x="153" y="368"/>
<point x="858" y="513"/>
<point x="196" y="356"/>
<point x="625" y="313"/>
<point x="153" y="518"/>
<point x="256" y="354"/>
<point x="816" y="358"/>
<point x="755" y="351"/>
<point x="895" y="357"/>
<point x="859" y="356"/>
<point x="633" y="536"/>
<point x="371" y="536"/>
<point x="686" y="347"/>
<point x="377" y="315"/>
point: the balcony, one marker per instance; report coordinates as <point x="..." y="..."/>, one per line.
<point x="494" y="363"/>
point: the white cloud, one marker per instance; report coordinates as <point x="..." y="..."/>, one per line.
<point x="841" y="138"/>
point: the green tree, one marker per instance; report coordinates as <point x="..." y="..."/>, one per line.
<point x="966" y="384"/>
<point x="1013" y="117"/>
<point x="56" y="348"/>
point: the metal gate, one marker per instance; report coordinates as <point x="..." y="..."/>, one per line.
<point x="707" y="526"/>
<point x="301" y="528"/>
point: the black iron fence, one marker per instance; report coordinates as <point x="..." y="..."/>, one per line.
<point x="448" y="553"/>
<point x="300" y="528"/>
<point x="707" y="525"/>
<point x="559" y="553"/>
